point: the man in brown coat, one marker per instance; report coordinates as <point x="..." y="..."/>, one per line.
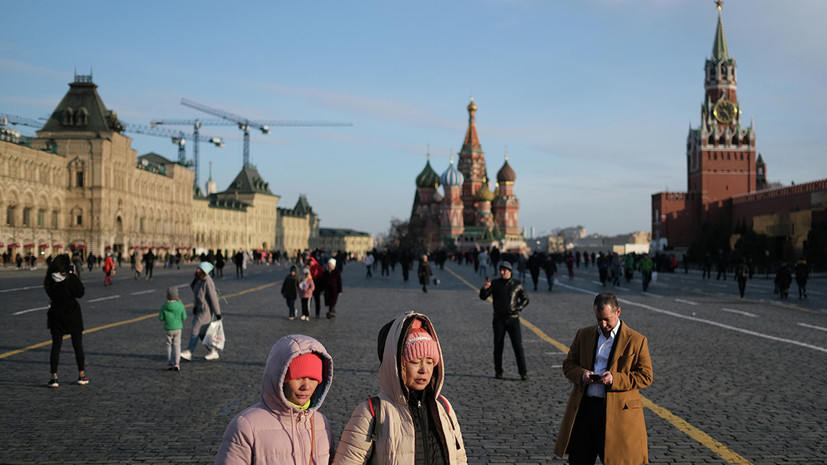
<point x="608" y="363"/>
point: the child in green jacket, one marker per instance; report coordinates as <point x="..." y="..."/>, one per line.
<point x="173" y="316"/>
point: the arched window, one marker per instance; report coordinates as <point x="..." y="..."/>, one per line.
<point x="67" y="118"/>
<point x="81" y="117"/>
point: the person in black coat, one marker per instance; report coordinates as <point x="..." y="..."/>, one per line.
<point x="509" y="298"/>
<point x="64" y="317"/>
<point x="332" y="279"/>
<point x="290" y="291"/>
<point x="424" y="272"/>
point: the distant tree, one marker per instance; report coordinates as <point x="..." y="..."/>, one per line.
<point x="403" y="235"/>
<point x="815" y="249"/>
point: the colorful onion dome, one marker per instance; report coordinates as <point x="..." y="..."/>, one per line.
<point x="472" y="106"/>
<point x="506" y="173"/>
<point x="452" y="177"/>
<point x="484" y="194"/>
<point x="428" y="177"/>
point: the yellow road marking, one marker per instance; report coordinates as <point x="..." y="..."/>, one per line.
<point x="706" y="440"/>
<point x="125" y="322"/>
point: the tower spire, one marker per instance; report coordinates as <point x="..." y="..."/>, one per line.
<point x="719" y="47"/>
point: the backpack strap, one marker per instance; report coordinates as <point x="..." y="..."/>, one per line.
<point x="445" y="403"/>
<point x="371" y="401"/>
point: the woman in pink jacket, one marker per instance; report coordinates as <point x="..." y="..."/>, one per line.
<point x="285" y="427"/>
<point x="306" y="289"/>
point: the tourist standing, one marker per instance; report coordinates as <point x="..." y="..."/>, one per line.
<point x="332" y="288"/>
<point x="64" y="316"/>
<point x="509" y="299"/>
<point x="205" y="309"/>
<point x="173" y="315"/>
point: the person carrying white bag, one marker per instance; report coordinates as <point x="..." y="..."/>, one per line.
<point x="206" y="311"/>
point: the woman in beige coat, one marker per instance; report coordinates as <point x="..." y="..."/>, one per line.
<point x="409" y="419"/>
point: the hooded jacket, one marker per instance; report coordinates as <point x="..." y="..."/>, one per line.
<point x="274" y="431"/>
<point x="393" y="425"/>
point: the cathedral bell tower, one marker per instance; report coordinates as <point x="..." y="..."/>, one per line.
<point x="721" y="151"/>
<point x="472" y="166"/>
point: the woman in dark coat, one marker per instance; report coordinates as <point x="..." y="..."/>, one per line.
<point x="424" y="272"/>
<point x="332" y="287"/>
<point x="64" y="288"/>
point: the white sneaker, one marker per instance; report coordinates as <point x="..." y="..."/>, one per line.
<point x="186" y="355"/>
<point x="212" y="355"/>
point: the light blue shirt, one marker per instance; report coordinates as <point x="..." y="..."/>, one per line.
<point x="601" y="360"/>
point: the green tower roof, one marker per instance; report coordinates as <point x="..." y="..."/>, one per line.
<point x="719" y="48"/>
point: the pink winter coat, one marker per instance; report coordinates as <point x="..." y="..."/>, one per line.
<point x="274" y="431"/>
<point x="306" y="288"/>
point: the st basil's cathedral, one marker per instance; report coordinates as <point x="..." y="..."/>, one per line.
<point x="467" y="214"/>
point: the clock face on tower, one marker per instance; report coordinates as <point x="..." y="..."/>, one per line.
<point x="725" y="111"/>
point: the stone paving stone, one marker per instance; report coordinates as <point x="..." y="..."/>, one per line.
<point x="135" y="412"/>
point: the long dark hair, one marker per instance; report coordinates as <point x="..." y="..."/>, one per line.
<point x="59" y="265"/>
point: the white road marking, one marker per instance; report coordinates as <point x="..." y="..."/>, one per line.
<point x="681" y="301"/>
<point x="20" y="288"/>
<point x="149" y="291"/>
<point x="30" y="310"/>
<point x="105" y="298"/>
<point x="652" y="295"/>
<point x="811" y="326"/>
<point x="708" y="322"/>
<point x="740" y="312"/>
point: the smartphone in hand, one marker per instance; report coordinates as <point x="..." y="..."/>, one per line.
<point x="594" y="377"/>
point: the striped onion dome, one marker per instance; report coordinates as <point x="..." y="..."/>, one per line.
<point x="506" y="173"/>
<point x="428" y="177"/>
<point x="452" y="177"/>
<point x="484" y="194"/>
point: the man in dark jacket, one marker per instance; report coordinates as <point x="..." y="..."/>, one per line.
<point x="509" y="299"/>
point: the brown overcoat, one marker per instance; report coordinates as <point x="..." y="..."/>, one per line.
<point x="631" y="368"/>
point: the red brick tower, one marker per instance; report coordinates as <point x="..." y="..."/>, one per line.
<point x="472" y="166"/>
<point x="506" y="205"/>
<point x="720" y="154"/>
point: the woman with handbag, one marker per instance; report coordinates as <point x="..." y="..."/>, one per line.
<point x="205" y="309"/>
<point x="409" y="421"/>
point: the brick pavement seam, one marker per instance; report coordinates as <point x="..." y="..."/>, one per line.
<point x="126" y="322"/>
<point x="682" y="425"/>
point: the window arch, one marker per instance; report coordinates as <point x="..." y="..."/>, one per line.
<point x="67" y="117"/>
<point x="81" y="117"/>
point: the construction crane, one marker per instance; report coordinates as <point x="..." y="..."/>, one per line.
<point x="178" y="138"/>
<point x="6" y="119"/>
<point x="243" y="123"/>
<point x="196" y="128"/>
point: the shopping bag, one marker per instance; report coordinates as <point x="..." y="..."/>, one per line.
<point x="654" y="276"/>
<point x="214" y="339"/>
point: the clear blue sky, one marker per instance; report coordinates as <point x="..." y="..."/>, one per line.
<point x="593" y="98"/>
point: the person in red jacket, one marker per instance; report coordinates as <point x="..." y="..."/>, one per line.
<point x="108" y="268"/>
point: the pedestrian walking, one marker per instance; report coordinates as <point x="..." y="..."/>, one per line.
<point x="484" y="262"/>
<point x="802" y="273"/>
<point x="205" y="310"/>
<point x="139" y="268"/>
<point x="317" y="272"/>
<point x="409" y="422"/>
<point x="707" y="270"/>
<point x="332" y="289"/>
<point x="509" y="299"/>
<point x="306" y="290"/>
<point x="783" y="279"/>
<point x="173" y="315"/>
<point x="285" y="425"/>
<point x="108" y="269"/>
<point x="741" y="275"/>
<point x="424" y="272"/>
<point x="369" y="263"/>
<point x="608" y="363"/>
<point x="646" y="265"/>
<point x="149" y="262"/>
<point x="550" y="267"/>
<point x="534" y="263"/>
<point x="64" y="315"/>
<point x="290" y="291"/>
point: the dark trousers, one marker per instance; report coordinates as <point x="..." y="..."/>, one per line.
<point x="77" y="344"/>
<point x="512" y="327"/>
<point x="317" y="296"/>
<point x="589" y="433"/>
<point x="306" y="307"/>
<point x="742" y="285"/>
